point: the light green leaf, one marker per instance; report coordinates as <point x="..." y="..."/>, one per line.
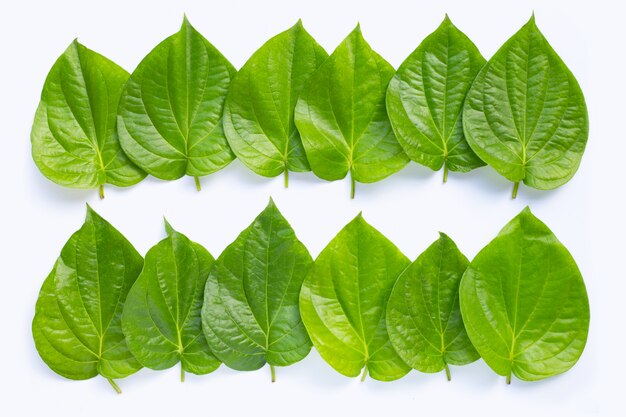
<point x="344" y="299"/>
<point x="74" y="138"/>
<point x="425" y="100"/>
<point x="423" y="315"/>
<point x="170" y="115"/>
<point x="250" y="314"/>
<point x="161" y="318"/>
<point x="77" y="326"/>
<point x="342" y="118"/>
<point x="259" y="109"/>
<point x="525" y="114"/>
<point x="524" y="302"/>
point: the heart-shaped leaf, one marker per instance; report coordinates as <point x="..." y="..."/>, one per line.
<point x="74" y="138"/>
<point x="342" y="118"/>
<point x="423" y="315"/>
<point x="259" y="109"/>
<point x="250" y="314"/>
<point x="425" y="100"/>
<point x="344" y="299"/>
<point x="170" y="113"/>
<point x="77" y="326"/>
<point x="524" y="302"/>
<point x="525" y="114"/>
<point x="161" y="319"/>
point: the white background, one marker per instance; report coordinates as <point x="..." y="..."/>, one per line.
<point x="38" y="216"/>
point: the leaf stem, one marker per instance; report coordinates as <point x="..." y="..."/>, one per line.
<point x="448" y="376"/>
<point x="286" y="178"/>
<point x="198" y="186"/>
<point x="101" y="192"/>
<point x="182" y="373"/>
<point x="515" y="188"/>
<point x="352" y="185"/>
<point x="508" y="379"/>
<point x="273" y="373"/>
<point x="114" y="385"/>
<point x="445" y="173"/>
<point x="364" y="374"/>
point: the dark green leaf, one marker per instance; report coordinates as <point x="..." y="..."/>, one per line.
<point x="250" y="314"/>
<point x="425" y="100"/>
<point x="342" y="118"/>
<point x="170" y="115"/>
<point x="74" y="138"/>
<point x="77" y="325"/>
<point x="344" y="299"/>
<point x="259" y="109"/>
<point x="524" y="302"/>
<point x="161" y="318"/>
<point x="423" y="314"/>
<point x="525" y="114"/>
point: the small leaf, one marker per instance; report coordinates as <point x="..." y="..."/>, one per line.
<point x="525" y="114"/>
<point x="425" y="100"/>
<point x="170" y="116"/>
<point x="250" y="314"/>
<point x="524" y="302"/>
<point x="74" y="138"/>
<point x="344" y="299"/>
<point x="77" y="326"/>
<point x="342" y="118"/>
<point x="423" y="314"/>
<point x="259" y="109"/>
<point x="161" y="318"/>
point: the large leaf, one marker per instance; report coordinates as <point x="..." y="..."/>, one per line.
<point x="77" y="325"/>
<point x="342" y="118"/>
<point x="161" y="319"/>
<point x="250" y="314"/>
<point x="423" y="315"/>
<point x="170" y="115"/>
<point x="524" y="302"/>
<point x="525" y="114"/>
<point x="259" y="109"/>
<point x="425" y="100"/>
<point x="344" y="299"/>
<point x="74" y="137"/>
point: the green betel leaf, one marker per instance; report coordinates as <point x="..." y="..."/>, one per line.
<point x="259" y="109"/>
<point x="525" y="114"/>
<point x="250" y="314"/>
<point x="161" y="318"/>
<point x="170" y="115"/>
<point x="77" y="326"/>
<point x="74" y="138"/>
<point x="344" y="299"/>
<point x="524" y="302"/>
<point x="342" y="118"/>
<point x="425" y="100"/>
<point x="423" y="315"/>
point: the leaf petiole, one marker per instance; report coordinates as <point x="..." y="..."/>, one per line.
<point x="198" y="186"/>
<point x="114" y="385"/>
<point x="515" y="188"/>
<point x="364" y="374"/>
<point x="448" y="376"/>
<point x="273" y="373"/>
<point x="101" y="192"/>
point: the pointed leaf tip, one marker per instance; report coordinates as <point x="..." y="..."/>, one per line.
<point x="168" y="227"/>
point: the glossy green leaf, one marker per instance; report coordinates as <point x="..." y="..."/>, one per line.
<point x="425" y="100"/>
<point x="423" y="315"/>
<point x="344" y="299"/>
<point x="260" y="105"/>
<point x="74" y="138"/>
<point x="342" y="118"/>
<point x="77" y="325"/>
<point x="170" y="115"/>
<point x="161" y="318"/>
<point x="250" y="314"/>
<point x="525" y="114"/>
<point x="524" y="302"/>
